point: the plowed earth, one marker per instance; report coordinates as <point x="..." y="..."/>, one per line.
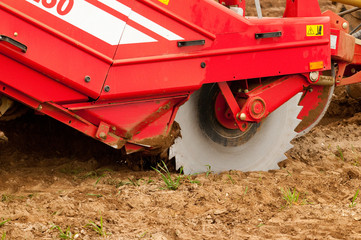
<point x="52" y="176"/>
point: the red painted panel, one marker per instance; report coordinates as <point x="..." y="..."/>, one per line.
<point x="53" y="56"/>
<point x="35" y="84"/>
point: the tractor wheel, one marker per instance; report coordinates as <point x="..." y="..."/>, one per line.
<point x="206" y="141"/>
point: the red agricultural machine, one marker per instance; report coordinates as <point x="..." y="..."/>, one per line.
<point x="131" y="73"/>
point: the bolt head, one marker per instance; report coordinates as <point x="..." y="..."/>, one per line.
<point x="353" y="70"/>
<point x="106" y="88"/>
<point x="344" y="25"/>
<point x="246" y="91"/>
<point x="203" y="64"/>
<point x="87" y="79"/>
<point x="242" y="116"/>
<point x="15" y="34"/>
<point x="314" y="76"/>
<point x="103" y="135"/>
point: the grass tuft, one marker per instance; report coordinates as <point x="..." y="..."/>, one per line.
<point x="340" y="152"/>
<point x="67" y="234"/>
<point x="3" y="222"/>
<point x="209" y="171"/>
<point x="291" y="197"/>
<point x="231" y="179"/>
<point x="95" y="195"/>
<point x="171" y="184"/>
<point x="99" y="229"/>
<point x="134" y="182"/>
<point x="353" y="201"/>
<point x="245" y="191"/>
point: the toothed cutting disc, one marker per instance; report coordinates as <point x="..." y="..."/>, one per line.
<point x="195" y="150"/>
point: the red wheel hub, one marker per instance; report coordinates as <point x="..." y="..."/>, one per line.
<point x="257" y="108"/>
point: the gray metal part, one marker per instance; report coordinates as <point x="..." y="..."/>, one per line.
<point x="195" y="151"/>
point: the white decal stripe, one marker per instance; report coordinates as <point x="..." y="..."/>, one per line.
<point x="91" y="20"/>
<point x="99" y="23"/>
<point x="154" y="27"/>
<point x="132" y="35"/>
<point x="117" y="6"/>
<point x="141" y="20"/>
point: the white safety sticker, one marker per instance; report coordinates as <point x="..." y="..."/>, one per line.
<point x="333" y="42"/>
<point x="104" y="25"/>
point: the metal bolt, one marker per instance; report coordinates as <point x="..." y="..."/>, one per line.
<point x="16" y="34"/>
<point x="353" y="70"/>
<point x="107" y="88"/>
<point x="246" y="91"/>
<point x="203" y="64"/>
<point x="87" y="79"/>
<point x="40" y="107"/>
<point x="114" y="128"/>
<point x="344" y="25"/>
<point x="242" y="116"/>
<point x="103" y="135"/>
<point x="314" y="76"/>
<point x="310" y="90"/>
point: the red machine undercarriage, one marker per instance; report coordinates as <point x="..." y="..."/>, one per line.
<point x="119" y="70"/>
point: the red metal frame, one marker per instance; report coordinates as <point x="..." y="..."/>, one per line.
<point x="125" y="91"/>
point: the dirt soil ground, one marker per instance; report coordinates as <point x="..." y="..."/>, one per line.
<point x="53" y="179"/>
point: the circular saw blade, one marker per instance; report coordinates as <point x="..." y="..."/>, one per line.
<point x="195" y="151"/>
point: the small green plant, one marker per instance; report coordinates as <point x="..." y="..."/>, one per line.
<point x="95" y="195"/>
<point x="209" y="171"/>
<point x="193" y="180"/>
<point x="260" y="225"/>
<point x="340" y="153"/>
<point x="67" y="234"/>
<point x="353" y="201"/>
<point x="171" y="184"/>
<point x="70" y="170"/>
<point x="98" y="174"/>
<point x="31" y="195"/>
<point x="356" y="159"/>
<point x="6" y="198"/>
<point x="291" y="197"/>
<point x="3" y="222"/>
<point x="149" y="181"/>
<point x="134" y="182"/>
<point x="3" y="236"/>
<point x="231" y="179"/>
<point x="98" y="228"/>
<point x="245" y="191"/>
<point x="142" y="235"/>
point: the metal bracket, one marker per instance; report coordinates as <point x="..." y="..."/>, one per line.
<point x="233" y="105"/>
<point x="102" y="131"/>
<point x="268" y="35"/>
<point x="191" y="43"/>
<point x="13" y="42"/>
